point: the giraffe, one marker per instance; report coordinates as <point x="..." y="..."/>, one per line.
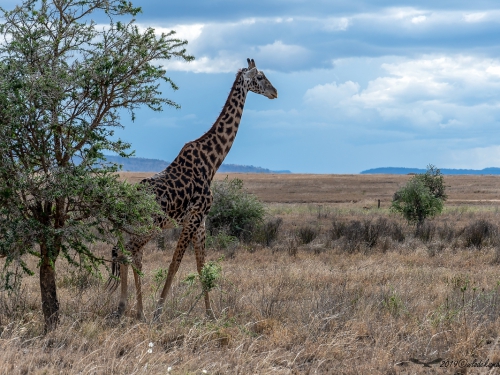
<point x="183" y="192"/>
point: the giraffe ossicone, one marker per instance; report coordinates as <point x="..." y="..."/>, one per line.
<point x="183" y="191"/>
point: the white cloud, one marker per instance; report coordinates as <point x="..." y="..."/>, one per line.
<point x="382" y="32"/>
<point x="189" y="32"/>
<point x="494" y="70"/>
<point x="336" y="24"/>
<point x="474" y="17"/>
<point x="281" y="51"/>
<point x="248" y="21"/>
<point x="331" y="94"/>
<point x="395" y="18"/>
<point x="278" y="54"/>
<point x="400" y="13"/>
<point x="434" y="92"/>
<point x="281" y="20"/>
<point x="223" y="47"/>
<point x="222" y="63"/>
<point x="418" y="19"/>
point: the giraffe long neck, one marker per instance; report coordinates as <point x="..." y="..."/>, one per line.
<point x="216" y="143"/>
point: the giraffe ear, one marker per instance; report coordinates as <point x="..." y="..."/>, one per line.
<point x="251" y="72"/>
<point x="251" y="63"/>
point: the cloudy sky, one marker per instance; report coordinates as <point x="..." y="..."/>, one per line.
<point x="362" y="84"/>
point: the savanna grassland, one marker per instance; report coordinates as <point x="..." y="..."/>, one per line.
<point x="340" y="286"/>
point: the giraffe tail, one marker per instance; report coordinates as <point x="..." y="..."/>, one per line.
<point x="114" y="279"/>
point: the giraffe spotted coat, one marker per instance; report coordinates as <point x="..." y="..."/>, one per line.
<point x="183" y="190"/>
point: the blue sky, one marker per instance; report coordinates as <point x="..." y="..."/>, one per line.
<point x="362" y="84"/>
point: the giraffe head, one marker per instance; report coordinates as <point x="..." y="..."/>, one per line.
<point x="257" y="82"/>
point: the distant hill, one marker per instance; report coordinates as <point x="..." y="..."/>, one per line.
<point x="157" y="165"/>
<point x="139" y="164"/>
<point x="246" y="169"/>
<point x="397" y="170"/>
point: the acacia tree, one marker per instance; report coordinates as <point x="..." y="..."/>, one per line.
<point x="422" y="197"/>
<point x="64" y="82"/>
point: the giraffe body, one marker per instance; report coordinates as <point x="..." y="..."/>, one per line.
<point x="183" y="189"/>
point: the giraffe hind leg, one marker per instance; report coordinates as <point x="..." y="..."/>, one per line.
<point x="134" y="248"/>
<point x="123" y="290"/>
<point x="199" y="248"/>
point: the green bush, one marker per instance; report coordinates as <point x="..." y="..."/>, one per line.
<point x="233" y="210"/>
<point x="221" y="241"/>
<point x="421" y="197"/>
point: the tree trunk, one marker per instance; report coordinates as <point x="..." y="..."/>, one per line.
<point x="50" y="303"/>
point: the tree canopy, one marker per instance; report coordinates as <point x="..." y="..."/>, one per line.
<point x="422" y="197"/>
<point x="64" y="85"/>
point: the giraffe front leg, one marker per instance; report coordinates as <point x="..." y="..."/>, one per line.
<point x="199" y="248"/>
<point x="138" y="289"/>
<point x="185" y="238"/>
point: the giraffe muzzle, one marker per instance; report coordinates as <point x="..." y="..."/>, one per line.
<point x="272" y="94"/>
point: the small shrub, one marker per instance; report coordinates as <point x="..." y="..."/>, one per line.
<point x="396" y="232"/>
<point x="267" y="232"/>
<point x="337" y="230"/>
<point x="233" y="209"/>
<point x="359" y="233"/>
<point x="393" y="303"/>
<point x="366" y="233"/>
<point x="478" y="233"/>
<point x="425" y="232"/>
<point x="389" y="228"/>
<point x="159" y="277"/>
<point x="307" y="234"/>
<point x="221" y="241"/>
<point x="446" y="232"/>
<point x="210" y="277"/>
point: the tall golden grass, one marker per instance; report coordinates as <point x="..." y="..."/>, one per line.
<point x="398" y="306"/>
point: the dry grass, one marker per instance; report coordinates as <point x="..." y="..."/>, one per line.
<point x="323" y="307"/>
<point x="361" y="189"/>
